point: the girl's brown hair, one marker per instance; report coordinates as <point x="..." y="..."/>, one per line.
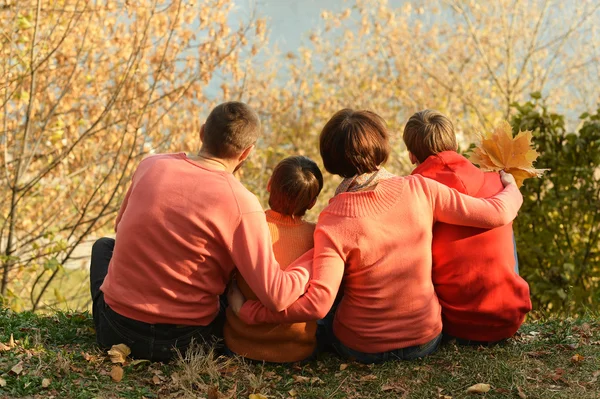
<point x="295" y="185"/>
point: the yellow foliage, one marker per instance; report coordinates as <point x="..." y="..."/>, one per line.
<point x="499" y="150"/>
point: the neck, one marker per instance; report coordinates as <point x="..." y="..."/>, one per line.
<point x="212" y="162"/>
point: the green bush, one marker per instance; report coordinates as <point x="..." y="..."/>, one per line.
<point x="558" y="228"/>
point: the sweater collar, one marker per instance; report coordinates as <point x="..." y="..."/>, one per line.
<point x="365" y="203"/>
<point x="453" y="170"/>
<point x="280" y="219"/>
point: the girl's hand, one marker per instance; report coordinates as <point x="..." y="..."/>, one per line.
<point x="235" y="297"/>
<point x="507" y="178"/>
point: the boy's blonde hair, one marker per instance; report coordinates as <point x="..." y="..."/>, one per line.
<point x="429" y="132"/>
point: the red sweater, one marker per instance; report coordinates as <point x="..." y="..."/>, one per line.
<point x="379" y="243"/>
<point x="482" y="297"/>
<point x="181" y="231"/>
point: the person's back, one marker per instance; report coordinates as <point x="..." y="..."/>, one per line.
<point x="483" y="298"/>
<point x="295" y="183"/>
<point x="375" y="238"/>
<point x="170" y="262"/>
<point x="183" y="225"/>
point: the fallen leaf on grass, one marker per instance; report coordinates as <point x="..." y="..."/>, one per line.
<point x="577" y="358"/>
<point x="256" y="396"/>
<point x="17" y="368"/>
<point x="300" y="379"/>
<point x="521" y="393"/>
<point x="369" y="377"/>
<point x="558" y="373"/>
<point x="116" y="373"/>
<point x="270" y="375"/>
<point x="293" y="393"/>
<point x="343" y="366"/>
<point x="213" y="392"/>
<point x="228" y="370"/>
<point x="2" y="382"/>
<point x="392" y="387"/>
<point x="46" y="382"/>
<point x="4" y="347"/>
<point x="316" y="380"/>
<point x="156" y="380"/>
<point x="479" y="388"/>
<point x="119" y="353"/>
<point x="11" y="341"/>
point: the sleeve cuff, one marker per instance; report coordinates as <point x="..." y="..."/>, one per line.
<point x="245" y="313"/>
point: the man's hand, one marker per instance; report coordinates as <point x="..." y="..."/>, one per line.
<point x="507" y="178"/>
<point x="235" y="297"/>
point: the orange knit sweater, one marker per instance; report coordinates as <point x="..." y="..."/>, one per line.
<point x="280" y="343"/>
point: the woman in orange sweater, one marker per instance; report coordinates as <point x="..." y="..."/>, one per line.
<point x="293" y="189"/>
<point x="376" y="236"/>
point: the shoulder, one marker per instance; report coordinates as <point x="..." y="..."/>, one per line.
<point x="163" y="157"/>
<point x="246" y="201"/>
<point x="492" y="185"/>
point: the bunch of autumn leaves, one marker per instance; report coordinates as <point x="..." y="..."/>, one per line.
<point x="499" y="150"/>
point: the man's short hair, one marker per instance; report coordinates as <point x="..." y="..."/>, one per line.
<point x="230" y="128"/>
<point x="295" y="185"/>
<point x="428" y="132"/>
<point x="354" y="142"/>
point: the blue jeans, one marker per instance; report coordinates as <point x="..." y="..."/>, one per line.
<point x="408" y="353"/>
<point x="327" y="338"/>
<point x="516" y="256"/>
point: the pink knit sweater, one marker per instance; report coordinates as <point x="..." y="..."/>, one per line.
<point x="181" y="231"/>
<point x="379" y="243"/>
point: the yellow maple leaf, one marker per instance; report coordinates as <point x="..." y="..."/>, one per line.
<point x="499" y="150"/>
<point x="119" y="353"/>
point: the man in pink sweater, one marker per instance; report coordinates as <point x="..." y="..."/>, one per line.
<point x="185" y="224"/>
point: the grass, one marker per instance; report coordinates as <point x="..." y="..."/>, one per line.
<point x="55" y="357"/>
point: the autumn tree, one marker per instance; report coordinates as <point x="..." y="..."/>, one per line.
<point x="87" y="89"/>
<point x="468" y="59"/>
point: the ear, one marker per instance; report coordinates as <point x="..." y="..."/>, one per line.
<point x="245" y="154"/>
<point x="312" y="204"/>
<point x="413" y="159"/>
<point x="202" y="133"/>
<point x="269" y="185"/>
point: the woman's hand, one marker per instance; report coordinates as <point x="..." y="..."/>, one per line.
<point x="235" y="297"/>
<point x="507" y="178"/>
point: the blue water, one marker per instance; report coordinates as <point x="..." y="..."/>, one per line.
<point x="289" y="21"/>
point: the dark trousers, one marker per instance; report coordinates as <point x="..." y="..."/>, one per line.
<point x="327" y="339"/>
<point x="155" y="342"/>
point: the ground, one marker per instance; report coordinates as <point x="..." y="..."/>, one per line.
<point x="55" y="357"/>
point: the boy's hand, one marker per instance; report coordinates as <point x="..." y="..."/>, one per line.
<point x="235" y="297"/>
<point x="507" y="178"/>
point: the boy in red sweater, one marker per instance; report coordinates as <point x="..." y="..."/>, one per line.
<point x="474" y="270"/>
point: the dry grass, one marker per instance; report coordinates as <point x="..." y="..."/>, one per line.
<point x="546" y="360"/>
